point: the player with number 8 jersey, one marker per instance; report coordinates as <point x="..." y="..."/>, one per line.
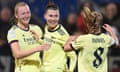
<point x="93" y="46"/>
<point x="93" y="52"/>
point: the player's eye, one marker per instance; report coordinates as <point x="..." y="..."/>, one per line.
<point x="23" y="13"/>
<point x="56" y="15"/>
<point x="51" y="15"/>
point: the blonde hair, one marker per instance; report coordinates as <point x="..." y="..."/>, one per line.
<point x="19" y="5"/>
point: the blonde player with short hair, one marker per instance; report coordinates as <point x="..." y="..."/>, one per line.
<point x="24" y="47"/>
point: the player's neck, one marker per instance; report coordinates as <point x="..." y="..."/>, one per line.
<point x="53" y="28"/>
<point x="23" y="26"/>
<point x="95" y="31"/>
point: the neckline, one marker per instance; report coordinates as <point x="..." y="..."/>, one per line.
<point x="23" y="29"/>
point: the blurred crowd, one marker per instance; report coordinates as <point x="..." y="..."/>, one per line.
<point x="72" y="21"/>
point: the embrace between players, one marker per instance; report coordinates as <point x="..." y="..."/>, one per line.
<point x="27" y="44"/>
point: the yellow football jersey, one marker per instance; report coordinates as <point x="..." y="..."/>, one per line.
<point x="93" y="52"/>
<point x="54" y="59"/>
<point x="25" y="41"/>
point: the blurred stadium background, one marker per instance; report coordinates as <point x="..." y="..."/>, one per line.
<point x="109" y="8"/>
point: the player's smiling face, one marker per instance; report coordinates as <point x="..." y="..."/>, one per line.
<point x="52" y="18"/>
<point x="23" y="14"/>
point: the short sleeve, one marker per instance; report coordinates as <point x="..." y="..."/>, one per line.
<point x="11" y="36"/>
<point x="110" y="40"/>
<point x="63" y="35"/>
<point x="78" y="43"/>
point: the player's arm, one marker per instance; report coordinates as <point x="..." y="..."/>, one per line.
<point x="68" y="45"/>
<point x="58" y="40"/>
<point x="108" y="28"/>
<point x="14" y="44"/>
<point x="20" y="53"/>
<point x="37" y="34"/>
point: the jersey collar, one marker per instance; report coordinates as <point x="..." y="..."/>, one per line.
<point x="55" y="29"/>
<point x="23" y="29"/>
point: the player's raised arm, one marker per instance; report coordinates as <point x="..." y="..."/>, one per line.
<point x="108" y="28"/>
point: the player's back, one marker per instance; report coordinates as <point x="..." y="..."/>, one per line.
<point x="93" y="52"/>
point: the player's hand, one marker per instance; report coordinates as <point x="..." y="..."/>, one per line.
<point x="44" y="46"/>
<point x="34" y="34"/>
<point x="73" y="37"/>
<point x="107" y="27"/>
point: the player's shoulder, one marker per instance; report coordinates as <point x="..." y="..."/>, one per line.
<point x="85" y="36"/>
<point x="61" y="26"/>
<point x="13" y="28"/>
<point x="105" y="35"/>
<point x="62" y="30"/>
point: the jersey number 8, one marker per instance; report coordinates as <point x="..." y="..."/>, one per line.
<point x="99" y="51"/>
